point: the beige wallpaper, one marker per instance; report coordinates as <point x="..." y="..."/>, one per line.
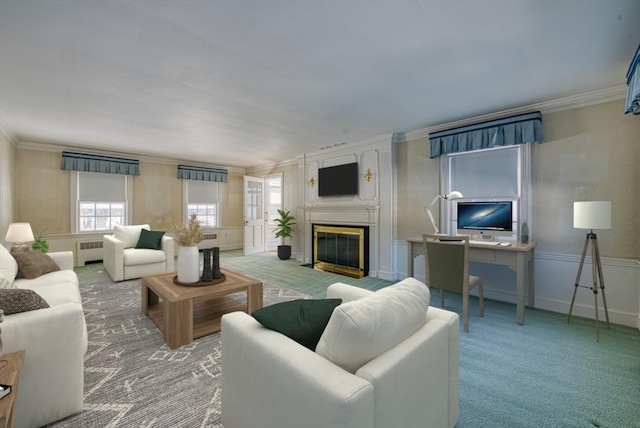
<point x="418" y="181"/>
<point x="42" y="191"/>
<point x="590" y="153"/>
<point x="157" y="196"/>
<point x="43" y="194"/>
<point x="7" y="184"/>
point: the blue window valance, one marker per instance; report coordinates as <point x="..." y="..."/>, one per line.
<point x="96" y="163"/>
<point x="508" y="131"/>
<point x="201" y="173"/>
<point x="632" y="105"/>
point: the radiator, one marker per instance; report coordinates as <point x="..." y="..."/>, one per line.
<point x="88" y="251"/>
<point x="208" y="240"/>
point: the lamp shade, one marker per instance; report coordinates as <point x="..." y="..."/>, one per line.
<point x="454" y="195"/>
<point x="19" y="232"/>
<point x="592" y="215"/>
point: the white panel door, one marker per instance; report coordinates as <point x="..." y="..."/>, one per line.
<point x="254" y="215"/>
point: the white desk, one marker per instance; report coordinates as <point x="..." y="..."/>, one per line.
<point x="517" y="256"/>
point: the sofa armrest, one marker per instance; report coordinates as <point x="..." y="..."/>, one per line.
<point x="64" y="259"/>
<point x="419" y="366"/>
<point x="166" y="245"/>
<point x="55" y="342"/>
<point x="261" y="369"/>
<point x="346" y="292"/>
<point x="113" y="257"/>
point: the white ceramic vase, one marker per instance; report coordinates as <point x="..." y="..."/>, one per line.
<point x="188" y="265"/>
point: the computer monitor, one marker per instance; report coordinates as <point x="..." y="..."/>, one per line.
<point x="486" y="218"/>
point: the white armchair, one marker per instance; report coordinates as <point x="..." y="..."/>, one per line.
<point x="123" y="261"/>
<point x="271" y="380"/>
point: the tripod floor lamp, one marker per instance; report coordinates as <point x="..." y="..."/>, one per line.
<point x="592" y="215"/>
<point x="451" y="196"/>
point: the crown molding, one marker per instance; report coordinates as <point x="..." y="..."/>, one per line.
<point x="281" y="164"/>
<point x="58" y="148"/>
<point x="5" y="128"/>
<point x="560" y="104"/>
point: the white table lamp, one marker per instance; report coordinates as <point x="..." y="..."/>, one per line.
<point x="451" y="196"/>
<point x="592" y="215"/>
<point x="20" y="235"/>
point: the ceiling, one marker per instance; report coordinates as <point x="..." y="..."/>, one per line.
<point x="247" y="83"/>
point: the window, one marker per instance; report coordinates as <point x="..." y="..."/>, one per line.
<point x="101" y="201"/>
<point x="202" y="199"/>
<point x="489" y="174"/>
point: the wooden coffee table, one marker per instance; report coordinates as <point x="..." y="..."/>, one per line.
<point x="184" y="313"/>
<point x="10" y="367"/>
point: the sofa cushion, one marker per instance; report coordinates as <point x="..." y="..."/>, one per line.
<point x="16" y="301"/>
<point x="150" y="239"/>
<point x="360" y="330"/>
<point x="129" y="235"/>
<point x="5" y="283"/>
<point x="301" y="320"/>
<point x="8" y="265"/>
<point x="32" y="264"/>
<point x="142" y="256"/>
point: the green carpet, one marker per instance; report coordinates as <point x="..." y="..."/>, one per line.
<point x="546" y="373"/>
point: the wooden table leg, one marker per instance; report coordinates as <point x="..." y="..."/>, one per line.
<point x="254" y="297"/>
<point x="178" y="323"/>
<point x="148" y="297"/>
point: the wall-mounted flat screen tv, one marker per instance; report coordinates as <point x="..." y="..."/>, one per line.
<point x="339" y="180"/>
<point x="490" y="218"/>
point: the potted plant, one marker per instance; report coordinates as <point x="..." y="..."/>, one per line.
<point x="187" y="238"/>
<point x="40" y="243"/>
<point x="284" y="229"/>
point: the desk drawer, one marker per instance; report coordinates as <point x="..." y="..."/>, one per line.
<point x="482" y="255"/>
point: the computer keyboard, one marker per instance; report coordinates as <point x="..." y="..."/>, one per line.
<point x="481" y="242"/>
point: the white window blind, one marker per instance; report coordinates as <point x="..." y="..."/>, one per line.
<point x="486" y="173"/>
<point x="97" y="187"/>
<point x="202" y="192"/>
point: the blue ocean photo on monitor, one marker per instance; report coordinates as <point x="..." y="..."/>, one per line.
<point x="485" y="215"/>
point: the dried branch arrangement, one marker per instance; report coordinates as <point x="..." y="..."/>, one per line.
<point x="188" y="236"/>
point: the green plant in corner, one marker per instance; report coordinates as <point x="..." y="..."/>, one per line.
<point x="40" y="243"/>
<point x="284" y="229"/>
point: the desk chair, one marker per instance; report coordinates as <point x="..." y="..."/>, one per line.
<point x="447" y="269"/>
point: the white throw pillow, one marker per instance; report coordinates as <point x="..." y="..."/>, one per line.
<point x="360" y="330"/>
<point x="6" y="283"/>
<point x="129" y="234"/>
<point x="8" y="265"/>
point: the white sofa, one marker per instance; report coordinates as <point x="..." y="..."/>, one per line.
<point x="269" y="380"/>
<point x="123" y="261"/>
<point x="54" y="340"/>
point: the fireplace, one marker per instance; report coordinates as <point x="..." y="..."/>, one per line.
<point x="341" y="249"/>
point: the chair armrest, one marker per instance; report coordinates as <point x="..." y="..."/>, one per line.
<point x="346" y="292"/>
<point x="64" y="259"/>
<point x="113" y="257"/>
<point x="419" y="366"/>
<point x="166" y="245"/>
<point x="262" y="369"/>
<point x="55" y="342"/>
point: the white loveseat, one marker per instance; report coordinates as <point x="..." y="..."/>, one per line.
<point x="122" y="260"/>
<point x="54" y="340"/>
<point x="269" y="380"/>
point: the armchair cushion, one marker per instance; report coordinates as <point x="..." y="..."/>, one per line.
<point x="361" y="330"/>
<point x="129" y="235"/>
<point x="301" y="320"/>
<point x="16" y="301"/>
<point x="150" y="239"/>
<point x="32" y="264"/>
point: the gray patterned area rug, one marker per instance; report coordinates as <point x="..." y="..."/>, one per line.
<point x="132" y="379"/>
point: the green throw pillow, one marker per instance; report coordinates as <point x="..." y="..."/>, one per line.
<point x="301" y="320"/>
<point x="150" y="239"/>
